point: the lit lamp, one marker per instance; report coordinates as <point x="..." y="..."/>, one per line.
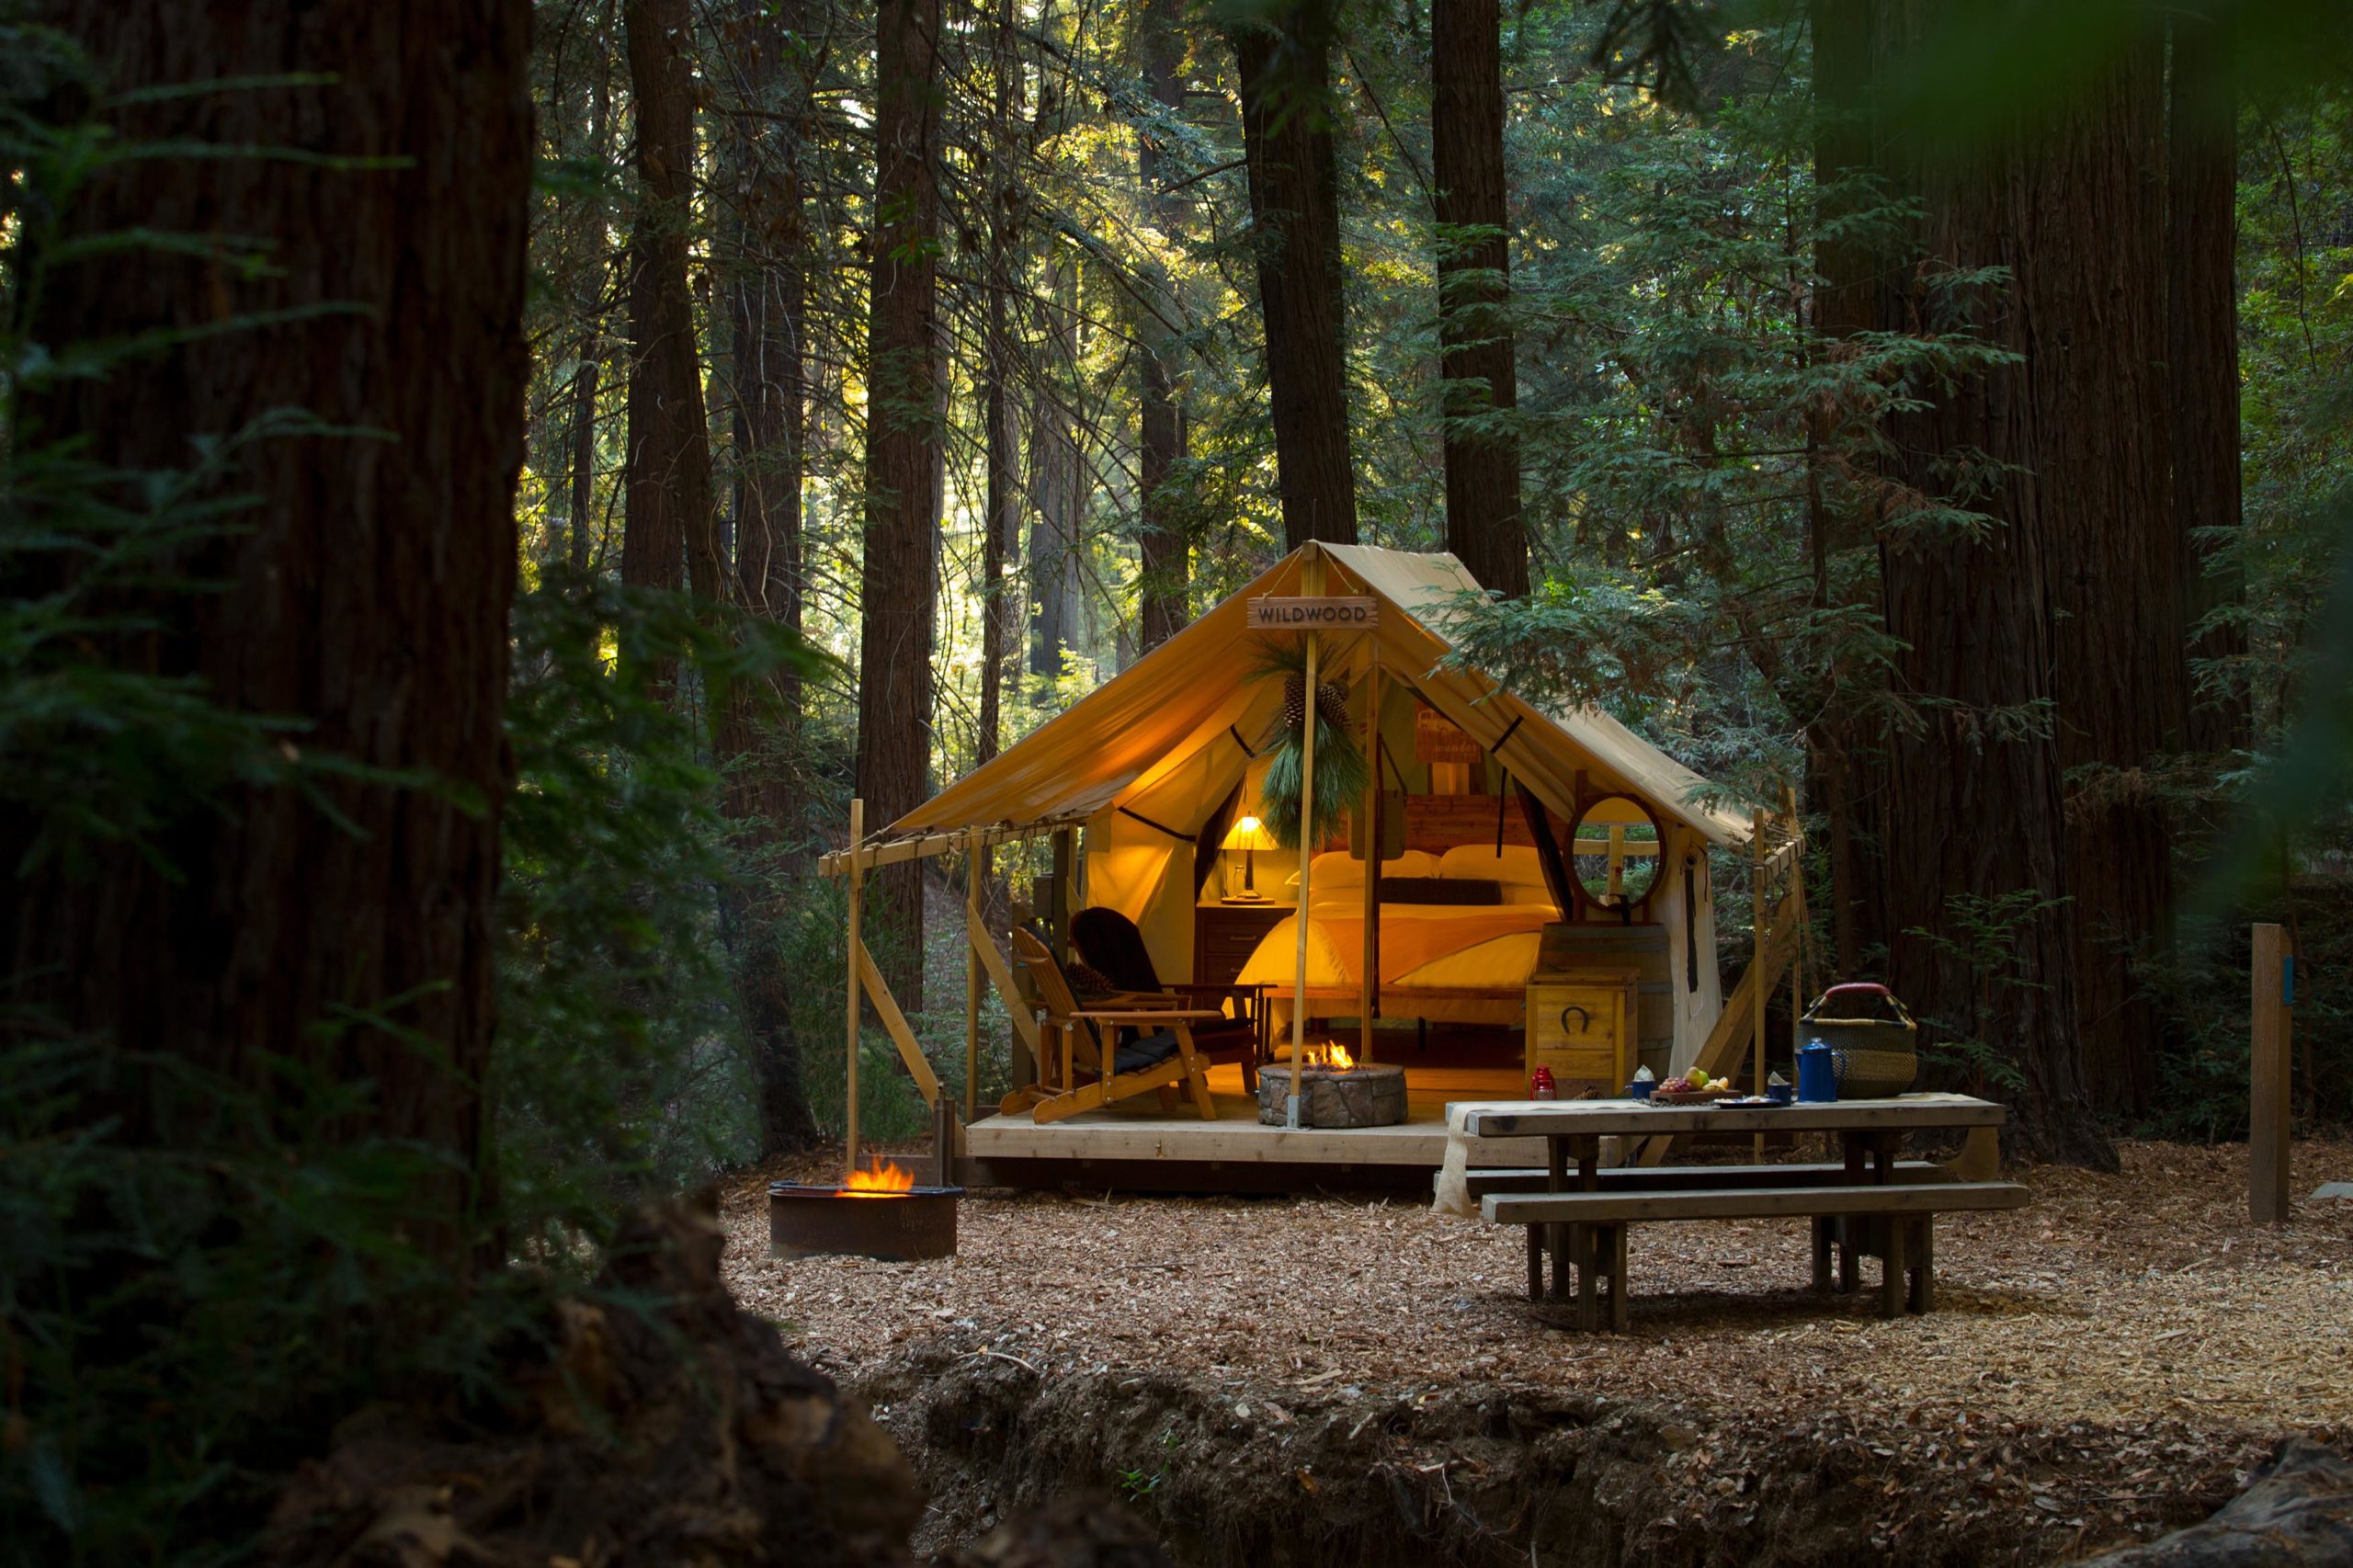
<point x="1249" y="835"/>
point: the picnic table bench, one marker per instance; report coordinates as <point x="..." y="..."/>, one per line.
<point x="1868" y="1204"/>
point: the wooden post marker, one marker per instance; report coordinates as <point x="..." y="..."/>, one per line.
<point x="2272" y="987"/>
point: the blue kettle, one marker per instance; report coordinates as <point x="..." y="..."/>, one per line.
<point x="1821" y="1069"/>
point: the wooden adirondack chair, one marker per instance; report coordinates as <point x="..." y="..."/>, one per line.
<point x="1088" y="1041"/>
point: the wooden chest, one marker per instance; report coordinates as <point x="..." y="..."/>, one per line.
<point x="1581" y="1024"/>
<point x="1225" y="934"/>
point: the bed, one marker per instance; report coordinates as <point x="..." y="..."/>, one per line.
<point x="1440" y="959"/>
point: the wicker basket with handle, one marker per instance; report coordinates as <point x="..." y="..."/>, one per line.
<point x="1882" y="1053"/>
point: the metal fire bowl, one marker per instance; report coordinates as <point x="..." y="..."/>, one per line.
<point x="899" y="1227"/>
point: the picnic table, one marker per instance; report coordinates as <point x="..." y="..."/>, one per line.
<point x="1869" y="1203"/>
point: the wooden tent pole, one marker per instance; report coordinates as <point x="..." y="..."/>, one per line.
<point x="1805" y="926"/>
<point x="1370" y="989"/>
<point x="972" y="852"/>
<point x="1759" y="918"/>
<point x="1311" y="582"/>
<point x="856" y="939"/>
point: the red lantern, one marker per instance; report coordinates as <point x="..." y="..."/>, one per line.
<point x="1541" y="1088"/>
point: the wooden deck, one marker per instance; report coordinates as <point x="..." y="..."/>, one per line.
<point x="1135" y="1144"/>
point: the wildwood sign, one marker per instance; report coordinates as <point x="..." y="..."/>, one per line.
<point x="1273" y="613"/>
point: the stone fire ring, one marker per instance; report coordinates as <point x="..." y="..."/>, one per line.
<point x="1369" y="1096"/>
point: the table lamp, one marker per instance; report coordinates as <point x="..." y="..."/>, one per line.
<point x="1249" y="835"/>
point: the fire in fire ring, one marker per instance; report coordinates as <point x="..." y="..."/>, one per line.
<point x="1280" y="613"/>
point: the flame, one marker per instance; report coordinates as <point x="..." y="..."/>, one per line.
<point x="1338" y="1055"/>
<point x="882" y="1181"/>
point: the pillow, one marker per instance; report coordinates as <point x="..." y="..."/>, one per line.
<point x="1521" y="892"/>
<point x="1440" y="889"/>
<point x="1517" y="863"/>
<point x="1338" y="869"/>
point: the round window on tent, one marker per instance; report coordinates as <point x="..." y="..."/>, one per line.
<point x="1616" y="856"/>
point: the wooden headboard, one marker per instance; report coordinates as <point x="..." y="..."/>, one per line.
<point x="1437" y="822"/>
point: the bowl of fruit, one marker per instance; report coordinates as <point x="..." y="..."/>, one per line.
<point x="1695" y="1087"/>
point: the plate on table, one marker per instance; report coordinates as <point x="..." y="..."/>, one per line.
<point x="1692" y="1096"/>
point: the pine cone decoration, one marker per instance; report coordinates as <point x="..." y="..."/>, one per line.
<point x="1331" y="703"/>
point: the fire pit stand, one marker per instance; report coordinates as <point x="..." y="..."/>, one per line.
<point x="1368" y="1095"/>
<point x="809" y="1221"/>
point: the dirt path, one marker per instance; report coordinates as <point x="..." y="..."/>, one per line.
<point x="2107" y="1363"/>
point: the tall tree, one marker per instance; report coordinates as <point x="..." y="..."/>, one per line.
<point x="669" y="490"/>
<point x="1285" y="62"/>
<point x="1057" y="478"/>
<point x="343" y="926"/>
<point x="1482" y="525"/>
<point x="2202" y="353"/>
<point x="2028" y="236"/>
<point x="902" y="437"/>
<point x="588" y="363"/>
<point x="1162" y="545"/>
<point x="1001" y="525"/>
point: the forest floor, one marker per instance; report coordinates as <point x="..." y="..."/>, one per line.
<point x="2105" y="1364"/>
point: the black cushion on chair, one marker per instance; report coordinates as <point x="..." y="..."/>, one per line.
<point x="1150" y="1051"/>
<point x="1109" y="941"/>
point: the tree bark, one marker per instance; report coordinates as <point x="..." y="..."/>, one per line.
<point x="756" y="723"/>
<point x="1163" y="546"/>
<point x="2201" y="251"/>
<point x="1003" y="521"/>
<point x="669" y="487"/>
<point x="367" y="589"/>
<point x="1976" y="807"/>
<point x="902" y="441"/>
<point x="1847" y="750"/>
<point x="581" y="440"/>
<point x="1057" y="497"/>
<point x="2091" y="274"/>
<point x="1475" y="342"/>
<point x="1285" y="67"/>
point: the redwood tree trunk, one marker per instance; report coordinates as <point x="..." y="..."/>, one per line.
<point x="1483" y="524"/>
<point x="1976" y="809"/>
<point x="580" y="440"/>
<point x="2202" y="316"/>
<point x="902" y="441"/>
<point x="669" y="446"/>
<point x="1161" y="537"/>
<point x="1001" y="524"/>
<point x="1285" y="66"/>
<point x="2091" y="274"/>
<point x="769" y="309"/>
<point x="368" y="594"/>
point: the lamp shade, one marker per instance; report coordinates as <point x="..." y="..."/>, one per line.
<point x="1248" y="833"/>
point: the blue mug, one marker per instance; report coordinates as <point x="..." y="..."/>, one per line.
<point x="1639" y="1090"/>
<point x="1821" y="1069"/>
<point x="1778" y="1092"/>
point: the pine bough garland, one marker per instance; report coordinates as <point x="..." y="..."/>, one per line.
<point x="1341" y="773"/>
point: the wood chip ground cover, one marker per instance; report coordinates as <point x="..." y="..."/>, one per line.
<point x="2109" y="1361"/>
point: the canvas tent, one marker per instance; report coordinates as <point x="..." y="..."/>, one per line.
<point x="1143" y="762"/>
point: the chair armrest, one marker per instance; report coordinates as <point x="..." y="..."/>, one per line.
<point x="1205" y="988"/>
<point x="1147" y="1014"/>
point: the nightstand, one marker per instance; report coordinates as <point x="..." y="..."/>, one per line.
<point x="1225" y="934"/>
<point x="1581" y="1024"/>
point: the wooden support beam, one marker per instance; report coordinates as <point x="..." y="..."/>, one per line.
<point x="972" y="852"/>
<point x="1017" y="1007"/>
<point x="2271" y="986"/>
<point x="1734" y="1027"/>
<point x="922" y="846"/>
<point x="1368" y="979"/>
<point x="857" y="945"/>
<point x="886" y="1006"/>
